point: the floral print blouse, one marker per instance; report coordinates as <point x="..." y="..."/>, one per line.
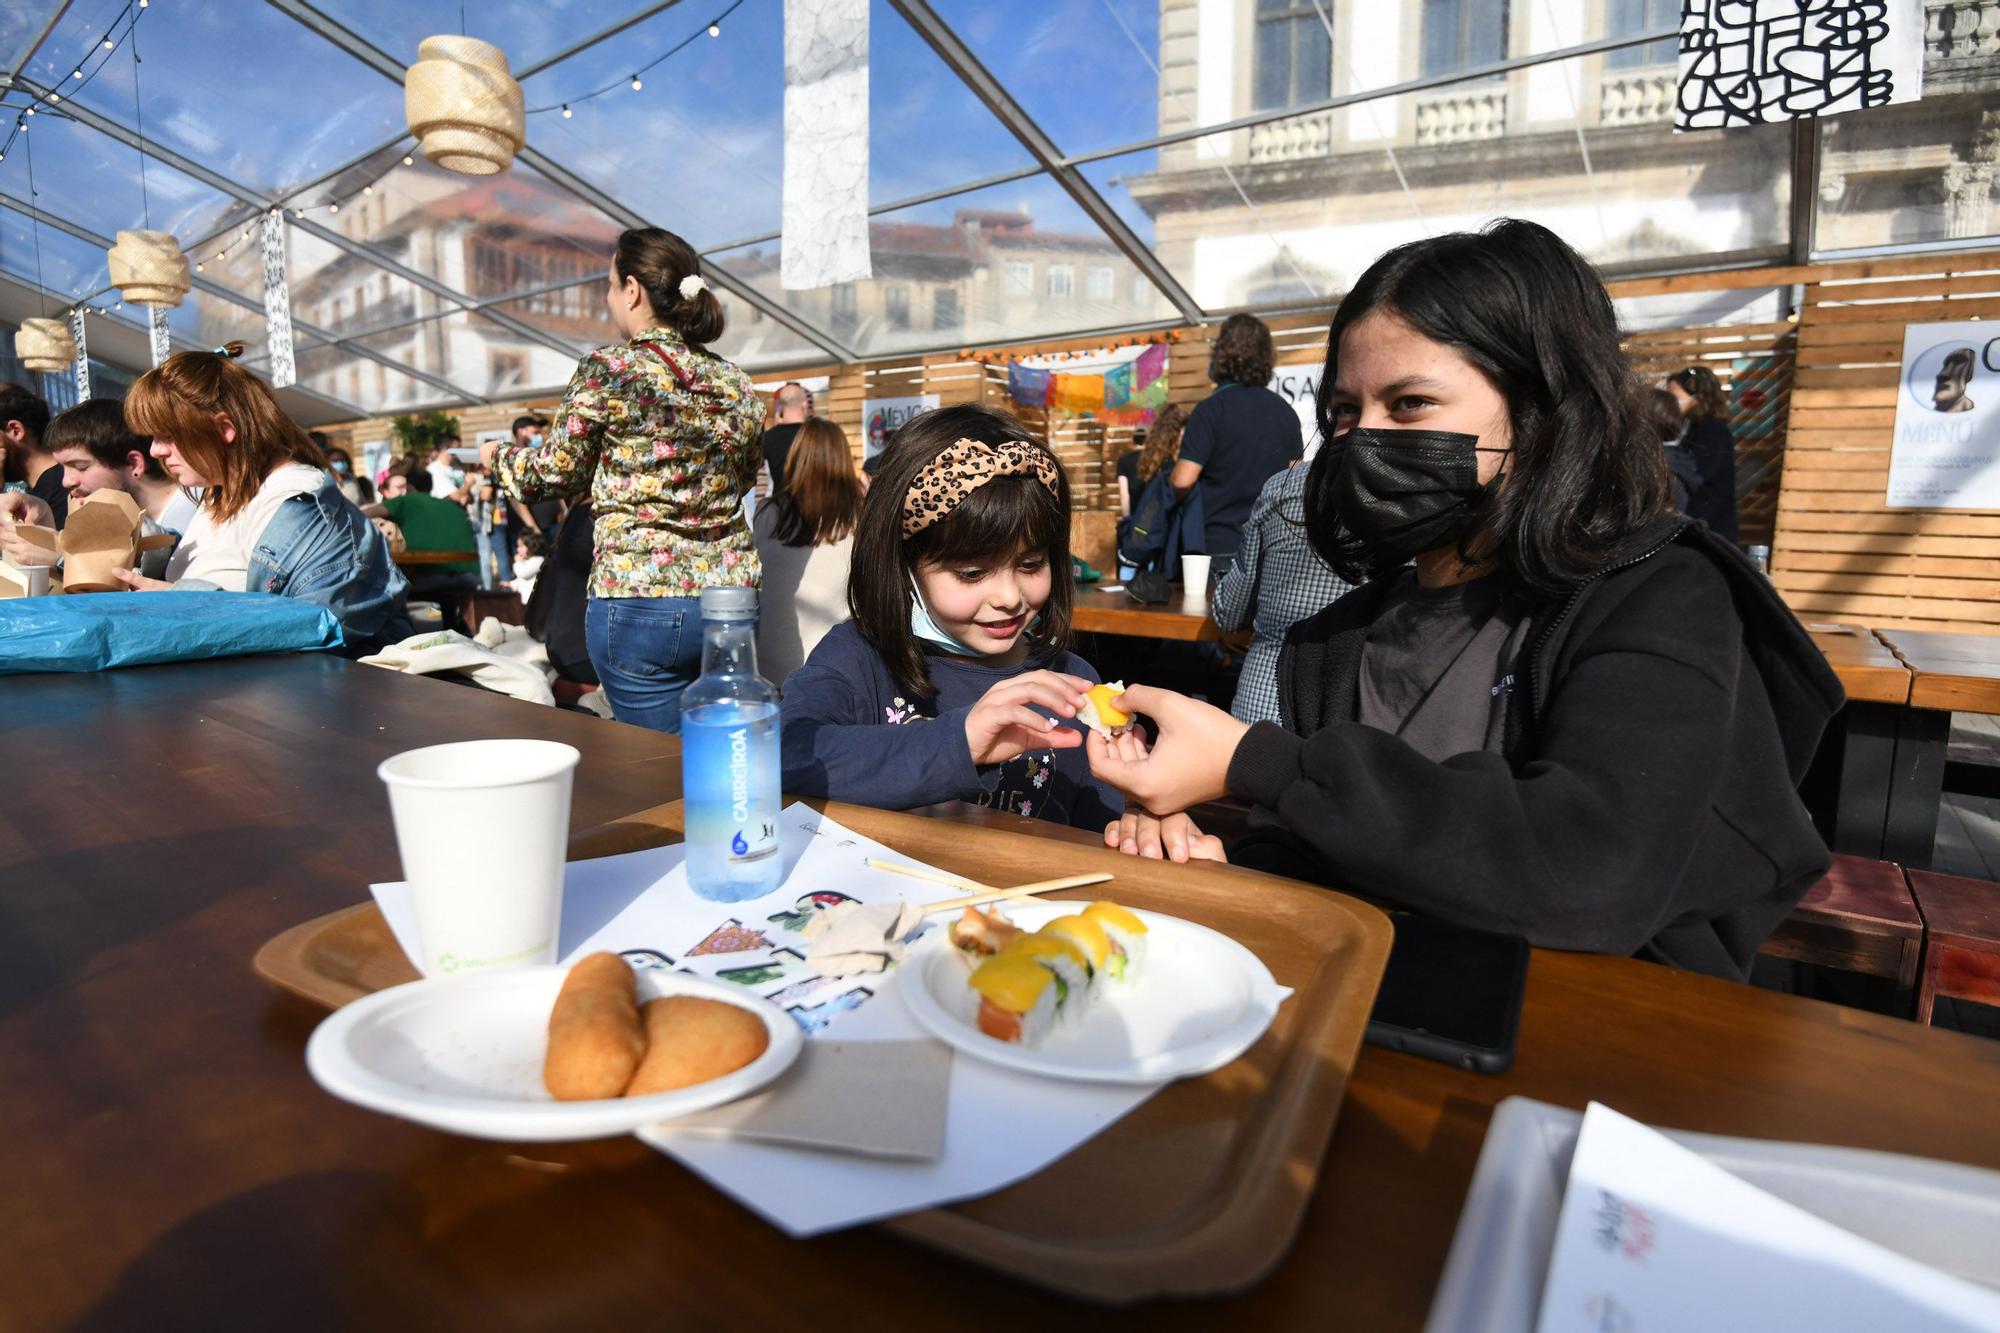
<point x="665" y="442"/>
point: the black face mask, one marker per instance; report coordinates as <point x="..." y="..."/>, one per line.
<point x="1404" y="492"/>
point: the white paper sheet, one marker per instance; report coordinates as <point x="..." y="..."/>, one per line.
<point x="1002" y="1126"/>
<point x="1653" y="1236"/>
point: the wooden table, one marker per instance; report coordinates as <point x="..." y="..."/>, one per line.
<point x="1897" y="731"/>
<point x="1098" y="611"/>
<point x="172" y="1164"/>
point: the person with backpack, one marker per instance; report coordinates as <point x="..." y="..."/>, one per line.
<point x="1159" y="526"/>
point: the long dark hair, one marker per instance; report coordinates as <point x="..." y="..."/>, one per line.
<point x="1532" y="314"/>
<point x="1005" y="514"/>
<point x="821" y="496"/>
<point x="1700" y="384"/>
<point x="660" y="260"/>
<point x="1163" y="443"/>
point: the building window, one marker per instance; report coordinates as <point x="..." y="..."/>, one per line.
<point x="944" y="308"/>
<point x="845" y="310"/>
<point x="1099" y="283"/>
<point x="1294" y="55"/>
<point x="896" y="306"/>
<point x="1625" y="18"/>
<point x="1062" y="280"/>
<point x="1020" y="278"/>
<point x="510" y="370"/>
<point x="1462" y="34"/>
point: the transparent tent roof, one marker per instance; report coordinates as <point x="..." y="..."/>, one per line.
<point x="1036" y="170"/>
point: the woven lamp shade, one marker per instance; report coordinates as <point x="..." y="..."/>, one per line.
<point x="148" y="268"/>
<point x="44" y="344"/>
<point x="463" y="105"/>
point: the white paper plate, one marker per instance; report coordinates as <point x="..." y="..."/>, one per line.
<point x="1199" y="1002"/>
<point x="464" y="1054"/>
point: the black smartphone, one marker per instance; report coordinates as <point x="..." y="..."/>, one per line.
<point x="1451" y="993"/>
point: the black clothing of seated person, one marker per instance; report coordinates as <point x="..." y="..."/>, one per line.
<point x="1606" y="751"/>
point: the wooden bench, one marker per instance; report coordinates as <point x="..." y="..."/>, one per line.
<point x="1860" y="918"/>
<point x="1962" y="939"/>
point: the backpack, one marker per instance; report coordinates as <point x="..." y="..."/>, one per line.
<point x="1161" y="528"/>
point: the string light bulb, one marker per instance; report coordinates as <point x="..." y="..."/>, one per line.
<point x="567" y="113"/>
<point x="76" y="74"/>
<point x="54" y="98"/>
<point x="636" y="85"/>
<point x="201" y="268"/>
<point x="367" y="189"/>
<point x="408" y="160"/>
<point x="333" y="208"/>
<point x="715" y="30"/>
<point x="107" y="43"/>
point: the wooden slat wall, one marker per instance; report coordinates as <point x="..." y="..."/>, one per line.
<point x="1840" y="552"/>
<point x="1765" y="352"/>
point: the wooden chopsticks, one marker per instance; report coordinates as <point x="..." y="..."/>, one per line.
<point x="983" y="893"/>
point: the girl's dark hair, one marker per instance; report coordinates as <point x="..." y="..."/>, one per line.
<point x="99" y="426"/>
<point x="1662" y="412"/>
<point x="1532" y="315"/>
<point x="1700" y="384"/>
<point x="1006" y="514"/>
<point x="1242" y="353"/>
<point x="660" y="260"/>
<point x="1163" y="443"/>
<point x="821" y="496"/>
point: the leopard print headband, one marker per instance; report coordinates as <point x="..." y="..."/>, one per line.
<point x="962" y="469"/>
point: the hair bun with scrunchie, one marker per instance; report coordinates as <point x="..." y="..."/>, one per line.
<point x="692" y="286"/>
<point x="232" y="349"/>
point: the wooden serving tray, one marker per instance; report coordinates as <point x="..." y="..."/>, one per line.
<point x="1198" y="1191"/>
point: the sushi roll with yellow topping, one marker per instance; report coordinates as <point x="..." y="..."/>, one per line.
<point x="1127" y="934"/>
<point x="1065" y="962"/>
<point x="1087" y="936"/>
<point x="1016" y="998"/>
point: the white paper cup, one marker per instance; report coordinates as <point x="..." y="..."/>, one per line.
<point x="1194" y="579"/>
<point x="482" y="827"/>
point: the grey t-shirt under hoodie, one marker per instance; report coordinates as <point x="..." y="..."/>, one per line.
<point x="1439" y="663"/>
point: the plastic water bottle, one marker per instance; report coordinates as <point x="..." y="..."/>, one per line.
<point x="729" y="757"/>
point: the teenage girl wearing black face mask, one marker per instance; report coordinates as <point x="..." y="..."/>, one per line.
<point x="1555" y="708"/>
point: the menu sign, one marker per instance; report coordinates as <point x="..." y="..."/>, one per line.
<point x="1946" y="453"/>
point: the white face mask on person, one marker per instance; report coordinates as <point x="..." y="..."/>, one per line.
<point x="925" y="629"/>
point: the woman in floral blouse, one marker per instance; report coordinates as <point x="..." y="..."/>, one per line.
<point x="662" y="433"/>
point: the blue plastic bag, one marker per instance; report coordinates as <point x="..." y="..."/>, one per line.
<point x="91" y="631"/>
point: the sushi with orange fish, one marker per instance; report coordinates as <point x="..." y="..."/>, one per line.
<point x="1014" y="998"/>
<point x="1127" y="935"/>
<point x="1100" y="714"/>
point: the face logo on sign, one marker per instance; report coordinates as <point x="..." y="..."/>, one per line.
<point x="1943" y="377"/>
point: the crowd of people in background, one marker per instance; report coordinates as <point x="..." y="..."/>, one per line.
<point x="1397" y="580"/>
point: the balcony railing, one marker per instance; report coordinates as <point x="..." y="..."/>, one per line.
<point x="1961" y="29"/>
<point x="1292" y="140"/>
<point x="1636" y="97"/>
<point x="1462" y="115"/>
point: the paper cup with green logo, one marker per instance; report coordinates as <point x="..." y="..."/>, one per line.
<point x="482" y="826"/>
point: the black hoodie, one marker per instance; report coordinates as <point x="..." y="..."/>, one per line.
<point x="1646" y="800"/>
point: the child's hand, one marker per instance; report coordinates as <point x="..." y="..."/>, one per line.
<point x="1002" y="726"/>
<point x="1176" y="837"/>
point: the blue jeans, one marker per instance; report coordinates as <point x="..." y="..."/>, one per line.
<point x="496" y="553"/>
<point x="646" y="651"/>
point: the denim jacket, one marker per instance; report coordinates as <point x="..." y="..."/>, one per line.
<point x="321" y="549"/>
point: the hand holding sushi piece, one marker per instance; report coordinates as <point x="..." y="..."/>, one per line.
<point x="1189" y="759"/>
